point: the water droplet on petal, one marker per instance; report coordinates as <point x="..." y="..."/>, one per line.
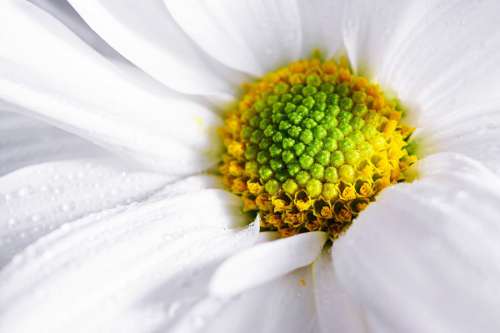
<point x="25" y="191"/>
<point x="198" y="322"/>
<point x="173" y="308"/>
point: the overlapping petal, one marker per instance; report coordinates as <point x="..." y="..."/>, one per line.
<point x="285" y="304"/>
<point x="251" y="36"/>
<point x="48" y="70"/>
<point x="276" y="258"/>
<point x="335" y="308"/>
<point x="63" y="11"/>
<point x="425" y="256"/>
<point x="146" y="34"/>
<point x="40" y="198"/>
<point x="441" y="60"/>
<point x="26" y="141"/>
<point x="127" y="268"/>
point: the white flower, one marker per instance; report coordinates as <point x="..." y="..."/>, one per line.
<point x="93" y="242"/>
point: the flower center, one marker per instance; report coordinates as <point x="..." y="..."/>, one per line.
<point x="310" y="145"/>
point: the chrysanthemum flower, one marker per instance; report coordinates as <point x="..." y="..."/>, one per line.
<point x="250" y="166"/>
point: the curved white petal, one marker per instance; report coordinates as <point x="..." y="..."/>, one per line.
<point x="66" y="14"/>
<point x="425" y="257"/>
<point x="285" y="304"/>
<point x="38" y="199"/>
<point x="146" y="34"/>
<point x="442" y="60"/>
<point x="322" y="26"/>
<point x="448" y="72"/>
<point x="265" y="262"/>
<point x="475" y="133"/>
<point x="251" y="36"/>
<point x="374" y="30"/>
<point x="25" y="141"/>
<point x="47" y="69"/>
<point x="335" y="308"/>
<point x="449" y="63"/>
<point x="127" y="268"/>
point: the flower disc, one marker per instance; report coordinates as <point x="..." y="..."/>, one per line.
<point x="310" y="145"/>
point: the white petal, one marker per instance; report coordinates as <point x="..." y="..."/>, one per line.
<point x="448" y="72"/>
<point x="374" y="30"/>
<point x="265" y="262"/>
<point x="70" y="84"/>
<point x="127" y="269"/>
<point x="474" y="132"/>
<point x="146" y="34"/>
<point x="39" y="198"/>
<point x="441" y="60"/>
<point x="66" y="14"/>
<point x="25" y="141"/>
<point x="449" y="62"/>
<point x="282" y="305"/>
<point x="251" y="36"/>
<point x="425" y="257"/>
<point x="335" y="308"/>
<point x="322" y="26"/>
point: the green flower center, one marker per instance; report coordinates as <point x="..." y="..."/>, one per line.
<point x="310" y="145"/>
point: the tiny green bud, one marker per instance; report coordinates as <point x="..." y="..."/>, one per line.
<point x="262" y="157"/>
<point x="287" y="143"/>
<point x="323" y="157"/>
<point x="293" y="169"/>
<point x="317" y="171"/>
<point x="276" y="165"/>
<point x="265" y="172"/>
<point x="290" y="186"/>
<point x="314" y="188"/>
<point x="302" y="177"/>
<point x="331" y="174"/>
<point x="337" y="158"/>
<point x="299" y="148"/>
<point x="275" y="150"/>
<point x="287" y="156"/>
<point x="306" y="161"/>
<point x="329" y="191"/>
<point x="346" y="173"/>
<point x="272" y="186"/>
<point x="330" y="144"/>
<point x="306" y="136"/>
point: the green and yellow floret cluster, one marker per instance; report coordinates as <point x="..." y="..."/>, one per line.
<point x="310" y="145"/>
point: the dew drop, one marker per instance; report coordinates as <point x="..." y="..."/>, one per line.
<point x="65" y="227"/>
<point x="198" y="322"/>
<point x="173" y="309"/>
<point x="25" y="191"/>
<point x="67" y="207"/>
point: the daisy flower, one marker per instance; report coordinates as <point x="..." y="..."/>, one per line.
<point x="249" y="166"/>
